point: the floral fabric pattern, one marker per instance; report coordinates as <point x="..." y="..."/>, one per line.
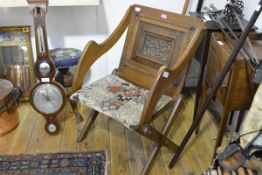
<point x="117" y="99"/>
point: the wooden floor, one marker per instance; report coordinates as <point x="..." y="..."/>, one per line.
<point x="127" y="151"/>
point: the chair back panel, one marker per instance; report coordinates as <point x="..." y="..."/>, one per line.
<point x="155" y="38"/>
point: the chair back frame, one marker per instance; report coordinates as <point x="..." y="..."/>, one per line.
<point x="93" y="51"/>
<point x="159" y="76"/>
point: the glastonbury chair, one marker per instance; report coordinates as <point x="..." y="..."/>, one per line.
<point x="158" y="49"/>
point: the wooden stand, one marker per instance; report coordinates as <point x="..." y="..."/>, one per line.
<point x="237" y="90"/>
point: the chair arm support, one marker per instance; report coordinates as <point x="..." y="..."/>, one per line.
<point x="93" y="51"/>
<point x="160" y="84"/>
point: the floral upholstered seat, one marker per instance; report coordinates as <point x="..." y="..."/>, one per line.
<point x="117" y="99"/>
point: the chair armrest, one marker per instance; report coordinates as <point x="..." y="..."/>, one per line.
<point x="93" y="51"/>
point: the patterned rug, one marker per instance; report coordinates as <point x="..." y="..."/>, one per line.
<point x="82" y="163"/>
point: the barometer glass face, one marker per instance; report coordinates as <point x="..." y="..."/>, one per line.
<point x="47" y="99"/>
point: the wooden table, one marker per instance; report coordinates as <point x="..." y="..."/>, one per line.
<point x="202" y="56"/>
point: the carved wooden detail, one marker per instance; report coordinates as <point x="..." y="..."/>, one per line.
<point x="156" y="49"/>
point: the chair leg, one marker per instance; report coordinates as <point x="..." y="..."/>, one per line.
<point x="221" y="131"/>
<point x="202" y="100"/>
<point x="161" y="138"/>
<point x="78" y="116"/>
<point x="156" y="136"/>
<point x="231" y="117"/>
<point x="88" y="125"/>
<point x="151" y="159"/>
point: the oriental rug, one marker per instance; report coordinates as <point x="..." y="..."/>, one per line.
<point x="80" y="163"/>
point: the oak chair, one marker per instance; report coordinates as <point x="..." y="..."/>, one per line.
<point x="149" y="80"/>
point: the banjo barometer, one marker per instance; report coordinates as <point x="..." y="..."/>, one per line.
<point x="47" y="97"/>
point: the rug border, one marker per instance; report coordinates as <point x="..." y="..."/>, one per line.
<point x="107" y="162"/>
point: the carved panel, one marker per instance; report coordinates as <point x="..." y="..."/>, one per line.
<point x="155" y="48"/>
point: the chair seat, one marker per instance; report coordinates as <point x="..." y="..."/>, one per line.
<point x="117" y="99"/>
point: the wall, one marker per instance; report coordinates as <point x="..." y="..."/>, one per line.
<point x="66" y="27"/>
<point x="75" y="26"/>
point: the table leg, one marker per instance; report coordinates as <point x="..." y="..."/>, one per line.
<point x="203" y="60"/>
<point x="240" y="119"/>
<point x="230" y="121"/>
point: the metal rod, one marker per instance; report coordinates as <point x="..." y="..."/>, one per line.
<point x="236" y="38"/>
<point x="244" y="51"/>
<point x="222" y="25"/>
<point x="199" y="6"/>
<point x="220" y="78"/>
<point x="241" y="25"/>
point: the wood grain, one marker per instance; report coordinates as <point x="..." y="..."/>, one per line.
<point x="185" y="7"/>
<point x="31" y="133"/>
<point x="136" y="157"/>
<point x="118" y="149"/>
